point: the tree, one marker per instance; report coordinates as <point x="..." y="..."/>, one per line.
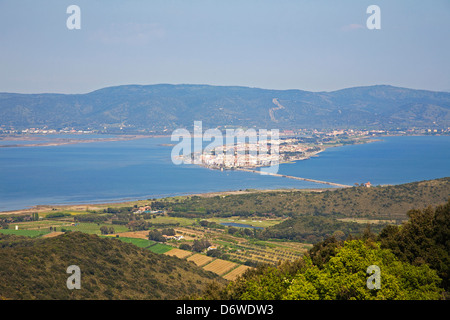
<point x="138" y="225"/>
<point x="204" y="223"/>
<point x="155" y="235"/>
<point x="106" y="230"/>
<point x="424" y="239"/>
<point x="339" y="235"/>
<point x="343" y="276"/>
<point x="185" y="246"/>
<point x="200" y="245"/>
<point x="168" y="232"/>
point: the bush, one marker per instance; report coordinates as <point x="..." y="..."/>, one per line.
<point x="54" y="215"/>
<point x="155" y="235"/>
<point x="185" y="246"/>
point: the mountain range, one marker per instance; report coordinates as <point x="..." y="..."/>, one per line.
<point x="166" y="107"/>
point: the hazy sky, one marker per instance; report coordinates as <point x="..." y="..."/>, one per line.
<point x="310" y="45"/>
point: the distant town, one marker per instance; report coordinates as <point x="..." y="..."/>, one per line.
<point x="10" y="130"/>
<point x="292" y="145"/>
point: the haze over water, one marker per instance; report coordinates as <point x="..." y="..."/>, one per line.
<point x="141" y="169"/>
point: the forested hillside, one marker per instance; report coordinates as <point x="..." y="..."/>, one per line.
<point x="110" y="269"/>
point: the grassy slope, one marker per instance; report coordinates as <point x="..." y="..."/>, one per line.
<point x="110" y="269"/>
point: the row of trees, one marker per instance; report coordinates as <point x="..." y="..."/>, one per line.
<point x="156" y="235"/>
<point x="197" y="245"/>
<point x="106" y="230"/>
<point x="6" y="220"/>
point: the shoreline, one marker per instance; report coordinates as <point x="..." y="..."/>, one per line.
<point x="314" y="154"/>
<point x="126" y="137"/>
<point x="96" y="205"/>
<point x="65" y="141"/>
<point x="91" y="204"/>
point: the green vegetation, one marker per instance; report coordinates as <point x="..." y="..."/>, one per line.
<point x="147" y="244"/>
<point x="383" y="202"/>
<point x="57" y="215"/>
<point x="156" y="235"/>
<point x="413" y="260"/>
<point x="425" y="239"/>
<point x="141" y="243"/>
<point x="93" y="228"/>
<point x="311" y="229"/>
<point x="342" y="277"/>
<point x="307" y="250"/>
<point x="28" y="233"/>
<point x="110" y="269"/>
<point x="159" y="248"/>
<point x="257" y="222"/>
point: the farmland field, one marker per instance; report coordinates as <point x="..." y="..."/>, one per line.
<point x="169" y="220"/>
<point x="94" y="228"/>
<point x="192" y="232"/>
<point x="159" y="248"/>
<point x="200" y="259"/>
<point x="28" y="233"/>
<point x="235" y="247"/>
<point x="52" y="234"/>
<point x="134" y="234"/>
<point x="220" y="266"/>
<point x="141" y="243"/>
<point x="233" y="274"/>
<point x="179" y="253"/>
<point x="257" y="222"/>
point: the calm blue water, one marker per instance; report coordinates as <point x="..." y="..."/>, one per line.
<point x="394" y="160"/>
<point x="142" y="169"/>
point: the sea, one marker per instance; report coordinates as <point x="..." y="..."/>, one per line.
<point x="101" y="172"/>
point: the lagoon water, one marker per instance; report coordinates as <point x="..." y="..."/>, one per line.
<point x="101" y="172"/>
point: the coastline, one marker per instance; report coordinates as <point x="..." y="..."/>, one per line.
<point x="100" y="205"/>
<point x="65" y="141"/>
<point x="91" y="205"/>
<point x="83" y="207"/>
<point x="293" y="159"/>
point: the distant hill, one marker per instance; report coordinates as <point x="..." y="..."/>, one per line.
<point x="380" y="202"/>
<point x="164" y="106"/>
<point x="110" y="269"/>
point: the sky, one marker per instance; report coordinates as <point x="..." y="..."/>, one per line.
<point x="314" y="45"/>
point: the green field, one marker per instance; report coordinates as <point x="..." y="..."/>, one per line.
<point x="93" y="228"/>
<point x="28" y="233"/>
<point x="36" y="225"/>
<point x="159" y="248"/>
<point x="147" y="244"/>
<point x="169" y="220"/>
<point x="261" y="222"/>
<point x="141" y="243"/>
